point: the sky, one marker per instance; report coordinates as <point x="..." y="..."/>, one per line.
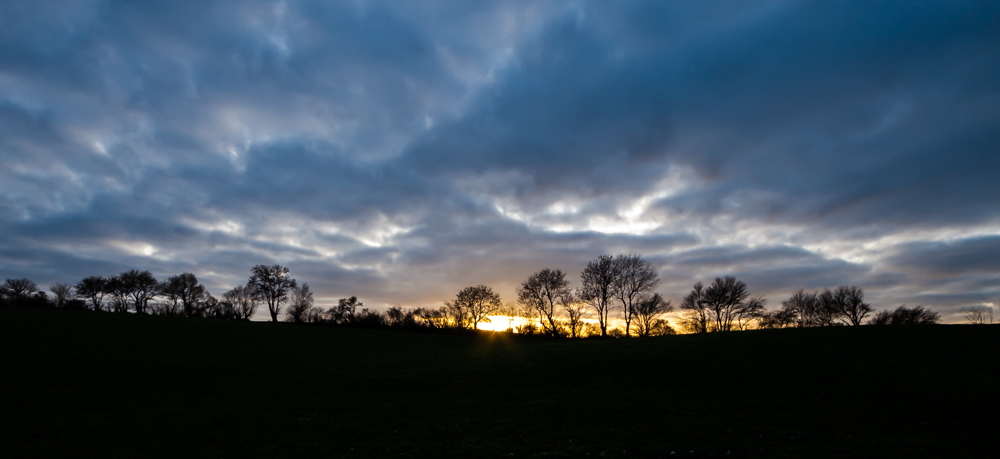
<point x="400" y="151"/>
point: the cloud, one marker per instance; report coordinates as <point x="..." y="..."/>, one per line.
<point x="401" y="152"/>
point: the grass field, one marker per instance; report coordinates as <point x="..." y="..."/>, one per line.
<point x="81" y="384"/>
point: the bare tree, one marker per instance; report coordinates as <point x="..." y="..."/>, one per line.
<point x="749" y="311"/>
<point x="433" y="318"/>
<point x="634" y="279"/>
<point x="168" y="308"/>
<point x="804" y="306"/>
<point x="598" y="288"/>
<point x="978" y="315"/>
<point x="457" y="316"/>
<point x="724" y="299"/>
<point x="396" y="316"/>
<point x="141" y="287"/>
<point x="185" y="290"/>
<point x="541" y="292"/>
<point x="271" y="284"/>
<point x="696" y="310"/>
<point x="243" y="301"/>
<point x="849" y="304"/>
<point x="220" y="309"/>
<point x="212" y="308"/>
<point x="648" y="311"/>
<point x="473" y="304"/>
<point x="302" y="303"/>
<point x="93" y="289"/>
<point x="903" y="315"/>
<point x="344" y="311"/>
<point x="782" y="318"/>
<point x="575" y="310"/>
<point x="119" y="292"/>
<point x="62" y="293"/>
<point x="316" y="316"/>
<point x="828" y="309"/>
<point x="20" y="288"/>
<point x="369" y="318"/>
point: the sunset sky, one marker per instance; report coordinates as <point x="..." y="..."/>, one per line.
<point x="400" y="151"/>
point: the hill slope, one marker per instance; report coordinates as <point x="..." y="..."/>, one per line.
<point x="86" y="384"/>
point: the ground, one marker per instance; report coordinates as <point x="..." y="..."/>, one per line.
<point x="121" y="385"/>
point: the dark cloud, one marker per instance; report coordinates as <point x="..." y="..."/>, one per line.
<point x="977" y="255"/>
<point x="400" y="152"/>
<point x="770" y="270"/>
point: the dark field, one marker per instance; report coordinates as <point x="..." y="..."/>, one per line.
<point x="103" y="385"/>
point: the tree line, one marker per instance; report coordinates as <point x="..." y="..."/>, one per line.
<point x="140" y="292"/>
<point x="613" y="290"/>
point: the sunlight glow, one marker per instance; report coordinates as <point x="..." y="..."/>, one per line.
<point x="140" y="249"/>
<point x="501" y="323"/>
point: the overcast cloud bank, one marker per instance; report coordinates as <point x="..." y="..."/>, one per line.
<point x="402" y="152"/>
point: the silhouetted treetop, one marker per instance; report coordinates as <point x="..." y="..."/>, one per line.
<point x="542" y="292"/>
<point x="598" y="288"/>
<point x="903" y="315"/>
<point x="185" y="290"/>
<point x="93" y="289"/>
<point x="19" y="288"/>
<point x="634" y="278"/>
<point x="271" y="284"/>
<point x="472" y="305"/>
<point x="301" y="304"/>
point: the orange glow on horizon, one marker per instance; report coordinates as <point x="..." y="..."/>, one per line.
<point x="501" y="323"/>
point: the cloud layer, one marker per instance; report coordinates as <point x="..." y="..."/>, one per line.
<point x="402" y="152"/>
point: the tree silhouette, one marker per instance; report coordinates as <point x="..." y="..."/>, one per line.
<point x="119" y="292"/>
<point x="212" y="308"/>
<point x="634" y="279"/>
<point x="849" y="303"/>
<point x="473" y="304"/>
<point x="804" y="306"/>
<point x="184" y="290"/>
<point x="598" y="288"/>
<point x="62" y="293"/>
<point x="344" y="311"/>
<point x="828" y="311"/>
<point x="782" y="318"/>
<point x="369" y="318"/>
<point x="724" y="299"/>
<point x="696" y="313"/>
<point x="575" y="310"/>
<point x="92" y="288"/>
<point x="167" y="308"/>
<point x="903" y="315"/>
<point x="396" y="316"/>
<point x="978" y="315"/>
<point x="432" y="318"/>
<point x="141" y="287"/>
<point x="20" y="289"/>
<point x="301" y="304"/>
<point x="648" y="312"/>
<point x="749" y="311"/>
<point x="271" y="284"/>
<point x="541" y="292"/>
<point x="243" y="302"/>
<point x="39" y="300"/>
